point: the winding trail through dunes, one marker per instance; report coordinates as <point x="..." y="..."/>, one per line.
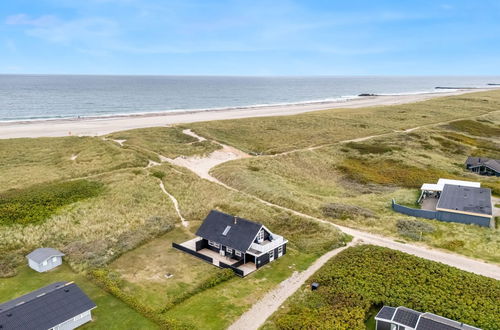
<point x="184" y="222"/>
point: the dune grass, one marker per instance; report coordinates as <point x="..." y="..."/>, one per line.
<point x="110" y="313"/>
<point x="25" y="162"/>
<point x="359" y="184"/>
<point x="272" y="135"/>
<point x="166" y="141"/>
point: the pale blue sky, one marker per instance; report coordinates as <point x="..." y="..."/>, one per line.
<point x="275" y="37"/>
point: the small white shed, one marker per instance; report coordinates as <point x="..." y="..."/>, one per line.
<point x="44" y="259"/>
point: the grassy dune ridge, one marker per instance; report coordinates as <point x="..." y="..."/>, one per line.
<point x="271" y="135"/>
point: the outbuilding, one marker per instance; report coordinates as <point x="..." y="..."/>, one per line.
<point x="58" y="306"/>
<point x="44" y="259"/>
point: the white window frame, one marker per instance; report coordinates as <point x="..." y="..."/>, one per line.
<point x="216" y="245"/>
<point x="260" y="236"/>
<point x="54" y="259"/>
<point x="271" y="253"/>
<point x="229" y="250"/>
<point x="280" y="250"/>
<point x="44" y="263"/>
<point x="211" y="243"/>
<point x="238" y="253"/>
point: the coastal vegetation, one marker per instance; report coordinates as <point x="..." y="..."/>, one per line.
<point x="100" y="201"/>
<point x="36" y="203"/>
<point x="272" y="135"/>
<point x="363" y="277"/>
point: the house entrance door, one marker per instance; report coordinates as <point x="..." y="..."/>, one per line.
<point x="221" y="251"/>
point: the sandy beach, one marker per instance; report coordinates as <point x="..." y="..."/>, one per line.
<point x="104" y="125"/>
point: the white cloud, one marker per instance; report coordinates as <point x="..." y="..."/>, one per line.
<point x="23" y="19"/>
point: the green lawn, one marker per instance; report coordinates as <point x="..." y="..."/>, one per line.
<point x="230" y="299"/>
<point x="110" y="313"/>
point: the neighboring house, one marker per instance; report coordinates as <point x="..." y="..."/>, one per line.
<point x="44" y="259"/>
<point x="453" y="201"/>
<point x="231" y="242"/>
<point x="402" y="318"/>
<point x="58" y="306"/>
<point x="483" y="166"/>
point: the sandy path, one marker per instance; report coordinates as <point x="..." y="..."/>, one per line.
<point x="201" y="165"/>
<point x="267" y="305"/>
<point x="184" y="222"/>
<point x="106" y="125"/>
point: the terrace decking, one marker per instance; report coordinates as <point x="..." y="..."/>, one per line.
<point x="216" y="258"/>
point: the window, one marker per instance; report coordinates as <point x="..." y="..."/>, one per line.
<point x="238" y="253"/>
<point x="280" y="250"/>
<point x="260" y="236"/>
<point x="216" y="245"/>
<point x="54" y="259"/>
<point x="271" y="254"/>
<point x="211" y="243"/>
<point x="224" y="233"/>
<point x="44" y="263"/>
<point x="229" y="250"/>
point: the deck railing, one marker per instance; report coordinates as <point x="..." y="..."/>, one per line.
<point x="277" y="241"/>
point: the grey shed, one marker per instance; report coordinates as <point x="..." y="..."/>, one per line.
<point x="44" y="259"/>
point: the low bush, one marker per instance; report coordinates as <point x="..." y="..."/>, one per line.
<point x="452" y="245"/>
<point x="389" y="172"/>
<point x="343" y="211"/>
<point x="111" y="283"/>
<point x="365" y="276"/>
<point x="413" y="229"/>
<point x="158" y="174"/>
<point x="371" y="148"/>
<point x="37" y="203"/>
<point x="220" y="277"/>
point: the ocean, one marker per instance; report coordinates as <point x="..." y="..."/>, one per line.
<point x="37" y="97"/>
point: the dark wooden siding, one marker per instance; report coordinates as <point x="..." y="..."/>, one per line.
<point x="264" y="259"/>
<point x="381" y="325"/>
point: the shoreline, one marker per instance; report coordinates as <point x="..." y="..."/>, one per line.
<point x="102" y="125"/>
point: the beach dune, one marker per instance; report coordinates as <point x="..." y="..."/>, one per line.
<point x="104" y="125"/>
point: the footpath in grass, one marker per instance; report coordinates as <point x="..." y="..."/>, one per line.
<point x="363" y="277"/>
<point x="111" y="313"/>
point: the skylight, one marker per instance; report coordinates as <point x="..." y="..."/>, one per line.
<point x="224" y="233"/>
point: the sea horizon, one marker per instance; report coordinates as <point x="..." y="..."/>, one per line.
<point x="34" y="97"/>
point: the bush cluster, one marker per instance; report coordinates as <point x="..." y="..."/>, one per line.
<point x="414" y="229"/>
<point x="371" y="148"/>
<point x="37" y="203"/>
<point x="365" y="276"/>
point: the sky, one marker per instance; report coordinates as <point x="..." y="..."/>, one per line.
<point x="273" y="37"/>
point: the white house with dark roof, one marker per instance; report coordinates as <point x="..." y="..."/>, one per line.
<point x="402" y="318"/>
<point x="58" y="306"/>
<point x="44" y="259"/>
<point x="231" y="242"/>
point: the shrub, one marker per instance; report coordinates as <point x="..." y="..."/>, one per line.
<point x="370" y="148"/>
<point x="37" y="203"/>
<point x="158" y="174"/>
<point x="413" y="229"/>
<point x="365" y="276"/>
<point x="453" y="244"/>
<point x="111" y="283"/>
<point x="343" y="211"/>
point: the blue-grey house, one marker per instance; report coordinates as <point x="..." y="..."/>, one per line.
<point x="231" y="242"/>
<point x="58" y="306"/>
<point x="453" y="201"/>
<point x="402" y="318"/>
<point x="44" y="259"/>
